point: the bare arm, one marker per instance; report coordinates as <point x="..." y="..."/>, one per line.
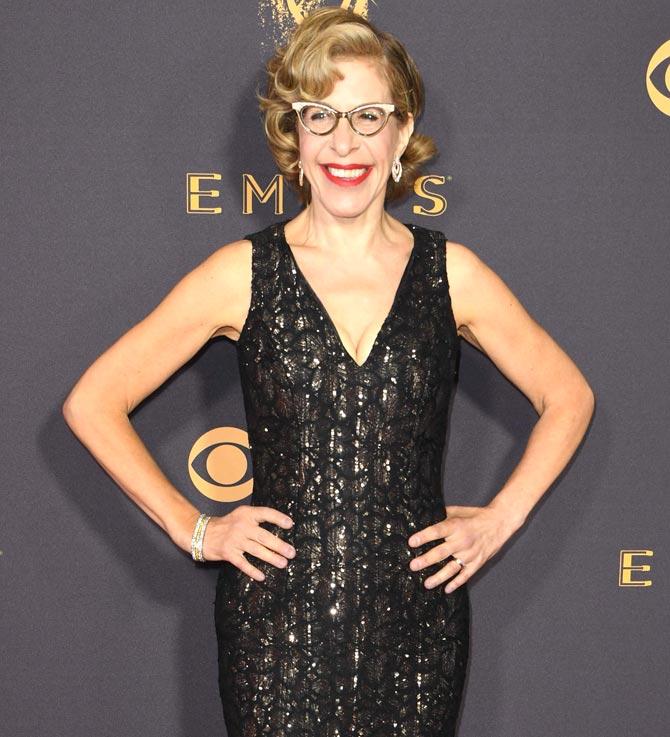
<point x="212" y="297"/>
<point x="491" y="318"/>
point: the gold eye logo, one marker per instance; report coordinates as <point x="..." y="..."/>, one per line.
<point x="285" y="14"/>
<point x="300" y="8"/>
<point x="658" y="78"/>
<point x="219" y="464"/>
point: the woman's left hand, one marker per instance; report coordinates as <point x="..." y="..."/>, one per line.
<point x="473" y="534"/>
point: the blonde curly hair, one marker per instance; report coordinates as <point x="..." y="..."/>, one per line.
<point x="304" y="68"/>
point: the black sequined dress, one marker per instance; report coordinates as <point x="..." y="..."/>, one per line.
<point x="346" y="639"/>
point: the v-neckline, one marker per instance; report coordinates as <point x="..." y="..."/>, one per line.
<point x="322" y="308"/>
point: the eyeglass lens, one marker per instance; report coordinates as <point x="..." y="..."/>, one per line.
<point x="367" y="120"/>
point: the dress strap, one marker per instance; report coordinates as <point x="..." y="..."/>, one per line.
<point x="441" y="245"/>
<point x="264" y="276"/>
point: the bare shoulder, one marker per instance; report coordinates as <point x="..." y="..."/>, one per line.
<point x="476" y="291"/>
<point x="492" y="318"/>
<point x="211" y="299"/>
<point x="228" y="270"/>
<point x="462" y="265"/>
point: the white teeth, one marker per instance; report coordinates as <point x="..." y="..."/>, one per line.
<point x="346" y="173"/>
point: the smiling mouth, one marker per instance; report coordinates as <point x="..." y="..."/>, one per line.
<point x="346" y="174"/>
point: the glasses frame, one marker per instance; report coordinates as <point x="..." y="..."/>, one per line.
<point x="387" y="107"/>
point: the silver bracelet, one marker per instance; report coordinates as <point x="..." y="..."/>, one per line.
<point x="198" y="537"/>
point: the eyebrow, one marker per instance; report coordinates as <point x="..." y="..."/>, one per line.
<point x="362" y="104"/>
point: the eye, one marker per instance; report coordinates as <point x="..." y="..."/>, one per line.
<point x="370" y="115"/>
<point x="312" y="112"/>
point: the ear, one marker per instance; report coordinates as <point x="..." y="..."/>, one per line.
<point x="405" y="134"/>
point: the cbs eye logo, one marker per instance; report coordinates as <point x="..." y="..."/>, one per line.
<point x="658" y="78"/>
<point x="219" y="464"/>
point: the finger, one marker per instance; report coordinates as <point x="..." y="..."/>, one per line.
<point x="461" y="511"/>
<point x="434" y="555"/>
<point x="270" y="514"/>
<point x="454" y="509"/>
<point x="260" y="551"/>
<point x="274" y="542"/>
<point x="462" y="577"/>
<point x="442" y="551"/>
<point x="445" y="573"/>
<point x="243" y="564"/>
<point x="438" y="531"/>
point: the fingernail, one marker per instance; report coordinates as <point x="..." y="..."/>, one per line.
<point x="412" y="541"/>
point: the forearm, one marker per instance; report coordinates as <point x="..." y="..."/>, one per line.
<point x="112" y="440"/>
<point x="552" y="442"/>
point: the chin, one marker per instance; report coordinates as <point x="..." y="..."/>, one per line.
<point x="346" y="205"/>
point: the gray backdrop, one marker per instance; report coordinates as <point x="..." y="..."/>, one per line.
<point x="554" y="135"/>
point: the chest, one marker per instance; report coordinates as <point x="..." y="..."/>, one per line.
<point x="297" y="362"/>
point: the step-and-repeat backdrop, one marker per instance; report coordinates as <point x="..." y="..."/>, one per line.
<point x="132" y="147"/>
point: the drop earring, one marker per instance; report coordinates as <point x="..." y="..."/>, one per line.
<point x="300" y="178"/>
<point x="396" y="169"/>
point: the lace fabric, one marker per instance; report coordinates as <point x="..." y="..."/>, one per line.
<point x="346" y="639"/>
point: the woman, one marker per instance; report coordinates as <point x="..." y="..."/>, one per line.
<point x="348" y="613"/>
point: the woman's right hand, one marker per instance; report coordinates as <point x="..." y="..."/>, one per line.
<point x="230" y="536"/>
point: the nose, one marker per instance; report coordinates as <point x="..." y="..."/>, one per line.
<point x="343" y="138"/>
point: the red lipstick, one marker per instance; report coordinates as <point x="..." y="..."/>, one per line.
<point x="346" y="182"/>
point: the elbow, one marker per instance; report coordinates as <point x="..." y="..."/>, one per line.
<point x="583" y="404"/>
<point x="72" y="410"/>
<point x="586" y="397"/>
<point x="577" y="399"/>
<point x="589" y="402"/>
<point x="77" y="409"/>
<point x="84" y="408"/>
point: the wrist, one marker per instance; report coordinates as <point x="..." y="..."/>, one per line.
<point x="513" y="518"/>
<point x="198" y="537"/>
<point x="181" y="530"/>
